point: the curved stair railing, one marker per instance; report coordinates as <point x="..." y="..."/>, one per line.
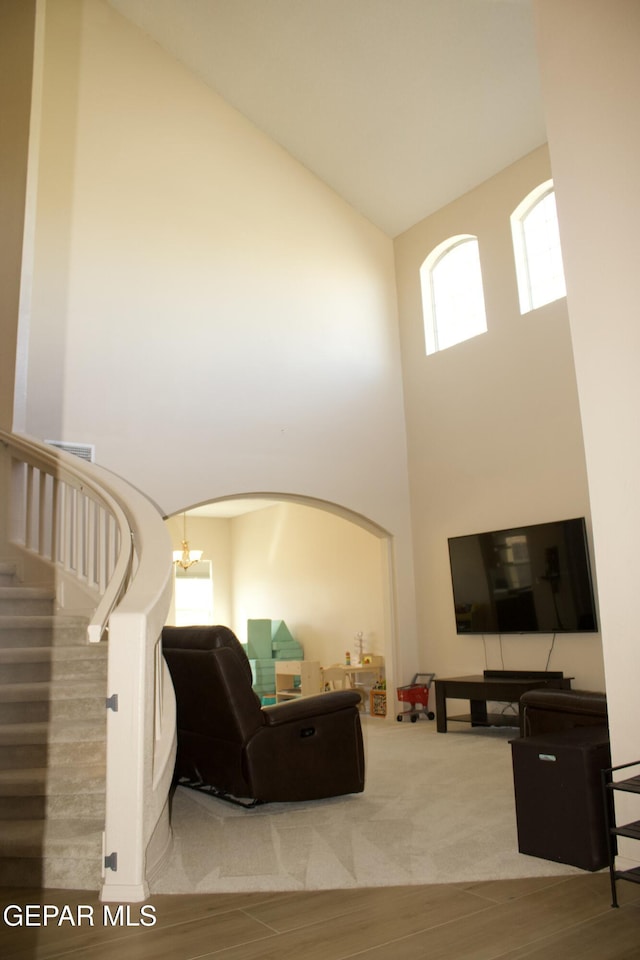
<point x="108" y="552"/>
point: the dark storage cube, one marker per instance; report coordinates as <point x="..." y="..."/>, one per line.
<point x="559" y="796"/>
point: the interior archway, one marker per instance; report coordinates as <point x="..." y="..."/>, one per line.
<point x="323" y="569"/>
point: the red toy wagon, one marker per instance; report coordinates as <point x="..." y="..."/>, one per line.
<point x="417" y="694"/>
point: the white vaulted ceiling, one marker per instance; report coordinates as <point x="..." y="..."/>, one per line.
<point x="398" y="105"/>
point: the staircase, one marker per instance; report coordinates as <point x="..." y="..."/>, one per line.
<point x="71" y="771"/>
<point x="52" y="742"/>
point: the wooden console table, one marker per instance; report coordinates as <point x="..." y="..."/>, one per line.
<point x="501" y="685"/>
<point x="286" y="672"/>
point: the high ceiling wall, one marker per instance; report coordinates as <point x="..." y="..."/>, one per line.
<point x="206" y="312"/>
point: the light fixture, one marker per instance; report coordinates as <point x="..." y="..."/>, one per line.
<point x="185" y="558"/>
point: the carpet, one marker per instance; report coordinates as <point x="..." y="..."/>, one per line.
<point x="437" y="808"/>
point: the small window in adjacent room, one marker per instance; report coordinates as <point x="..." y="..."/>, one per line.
<point x="452" y="294"/>
<point x="536" y="246"/>
<point x="194" y="594"/>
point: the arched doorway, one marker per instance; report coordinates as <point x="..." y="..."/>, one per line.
<point x="325" y="570"/>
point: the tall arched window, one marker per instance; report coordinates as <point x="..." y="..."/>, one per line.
<point x="536" y="247"/>
<point x="452" y="294"/>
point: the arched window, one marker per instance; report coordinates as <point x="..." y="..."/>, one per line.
<point x="536" y="247"/>
<point x="452" y="295"/>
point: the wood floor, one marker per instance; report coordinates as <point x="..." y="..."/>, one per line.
<point x="555" y="919"/>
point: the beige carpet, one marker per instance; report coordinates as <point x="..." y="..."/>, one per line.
<point x="437" y="808"/>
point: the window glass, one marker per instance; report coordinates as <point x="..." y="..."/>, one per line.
<point x="452" y="294"/>
<point x="194" y="594"/>
<point x="536" y="243"/>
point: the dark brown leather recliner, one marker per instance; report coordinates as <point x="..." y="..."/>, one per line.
<point x="303" y="749"/>
<point x="554" y="711"/>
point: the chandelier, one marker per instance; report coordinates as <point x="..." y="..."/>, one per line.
<point x="185" y="558"/>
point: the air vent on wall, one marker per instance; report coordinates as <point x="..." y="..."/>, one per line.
<point x="86" y="451"/>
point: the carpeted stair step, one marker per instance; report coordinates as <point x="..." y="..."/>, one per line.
<point x="51" y="873"/>
<point x="42" y="631"/>
<point x="49" y="853"/>
<point x="43" y="806"/>
<point x="42" y="664"/>
<point x="64" y="793"/>
<point x="34" y="755"/>
<point x="63" y="732"/>
<point x="59" y="781"/>
<point x="8" y="573"/>
<point x="39" y="702"/>
<point x="33" y="838"/>
<point x="26" y="601"/>
<point x="63" y="743"/>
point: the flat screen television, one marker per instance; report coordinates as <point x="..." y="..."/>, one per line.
<point x="530" y="579"/>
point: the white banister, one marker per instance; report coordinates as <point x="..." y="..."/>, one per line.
<point x="54" y="506"/>
<point x="107" y="551"/>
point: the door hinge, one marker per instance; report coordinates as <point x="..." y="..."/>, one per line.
<point x="111" y="703"/>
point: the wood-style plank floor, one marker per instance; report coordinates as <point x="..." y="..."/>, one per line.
<point x="561" y="918"/>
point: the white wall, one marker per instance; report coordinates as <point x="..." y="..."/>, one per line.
<point x="590" y="70"/>
<point x="494" y="429"/>
<point x="210" y="315"/>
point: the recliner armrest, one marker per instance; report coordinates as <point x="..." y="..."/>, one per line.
<point x="305" y="708"/>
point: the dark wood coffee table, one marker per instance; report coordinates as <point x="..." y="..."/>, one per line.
<point x="501" y="685"/>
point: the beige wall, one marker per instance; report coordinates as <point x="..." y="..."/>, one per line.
<point x="323" y="575"/>
<point x="18" y="63"/>
<point x="493" y="426"/>
<point x="319" y="573"/>
<point x="590" y="68"/>
<point x="218" y="322"/>
<point x="209" y="314"/>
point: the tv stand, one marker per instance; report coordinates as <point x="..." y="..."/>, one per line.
<point x="501" y="685"/>
<point x="523" y="675"/>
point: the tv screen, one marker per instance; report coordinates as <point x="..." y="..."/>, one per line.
<point x="531" y="579"/>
